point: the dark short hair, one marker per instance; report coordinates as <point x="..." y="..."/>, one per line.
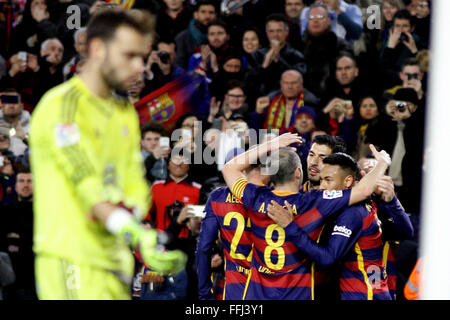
<point x="220" y="23"/>
<point x="152" y="126"/>
<point x="413" y="61"/>
<point x="319" y="5"/>
<point x="278" y="17"/>
<point x="345" y="54"/>
<point x="344" y="161"/>
<point x="335" y="143"/>
<point x="234" y="83"/>
<point x="200" y="3"/>
<point x="24" y="170"/>
<point x="403" y="14"/>
<point x="104" y="24"/>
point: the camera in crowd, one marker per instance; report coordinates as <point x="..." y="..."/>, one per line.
<point x="164" y="57"/>
<point x="401" y="106"/>
<point x="173" y="210"/>
<point x="403" y="37"/>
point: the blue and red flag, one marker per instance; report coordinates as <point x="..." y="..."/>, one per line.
<point x="187" y="93"/>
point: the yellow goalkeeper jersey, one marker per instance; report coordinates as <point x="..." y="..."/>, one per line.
<point x="84" y="150"/>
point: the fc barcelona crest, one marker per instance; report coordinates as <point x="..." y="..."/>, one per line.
<point x="162" y="108"/>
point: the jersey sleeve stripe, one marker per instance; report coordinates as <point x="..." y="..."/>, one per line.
<point x="70" y="102"/>
<point x="363" y="271"/>
<point x="79" y="161"/>
<point x="238" y="188"/>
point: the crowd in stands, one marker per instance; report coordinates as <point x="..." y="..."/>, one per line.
<point x="303" y="66"/>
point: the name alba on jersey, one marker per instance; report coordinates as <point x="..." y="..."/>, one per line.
<point x="341" y="231"/>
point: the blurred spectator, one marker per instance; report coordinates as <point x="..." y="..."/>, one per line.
<point x="346" y="83"/>
<point x="389" y="9"/>
<point x="305" y="125"/>
<point x="251" y="41"/>
<point x="367" y="117"/>
<point x="50" y="68"/>
<point x="35" y="27"/>
<point x="321" y="48"/>
<point x="195" y="34"/>
<point x="411" y="76"/>
<point x="237" y="23"/>
<point x="234" y="102"/>
<point x="7" y="178"/>
<point x="17" y="120"/>
<point x="173" y="18"/>
<point x="401" y="44"/>
<point x="19" y="239"/>
<point x="292" y="10"/>
<point x="212" y="53"/>
<point x="5" y="142"/>
<point x="345" y="19"/>
<point x="179" y="187"/>
<point x="231" y="68"/>
<point x="79" y="38"/>
<point x="153" y="151"/>
<point x="134" y="92"/>
<point x="279" y="109"/>
<point x="270" y="62"/>
<point x="401" y="135"/>
<point x="422" y="22"/>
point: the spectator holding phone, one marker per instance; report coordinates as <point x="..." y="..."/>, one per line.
<point x="153" y="151"/>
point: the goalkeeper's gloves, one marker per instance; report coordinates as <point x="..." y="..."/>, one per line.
<point x="150" y="244"/>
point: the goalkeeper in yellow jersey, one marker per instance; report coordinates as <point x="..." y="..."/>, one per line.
<point x="90" y="192"/>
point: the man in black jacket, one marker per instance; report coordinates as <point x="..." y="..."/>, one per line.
<point x="18" y="240"/>
<point x="321" y="48"/>
<point x="195" y="34"/>
<point x="269" y="63"/>
<point x="402" y="136"/>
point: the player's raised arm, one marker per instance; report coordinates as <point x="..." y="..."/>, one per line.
<point x="233" y="170"/>
<point x="368" y="183"/>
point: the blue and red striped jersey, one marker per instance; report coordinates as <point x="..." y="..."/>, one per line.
<point x="363" y="274"/>
<point x="278" y="269"/>
<point x="396" y="226"/>
<point x="355" y="241"/>
<point x="226" y="214"/>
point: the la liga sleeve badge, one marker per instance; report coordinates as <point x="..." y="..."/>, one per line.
<point x="66" y="134"/>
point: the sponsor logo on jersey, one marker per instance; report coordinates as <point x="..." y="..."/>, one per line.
<point x="66" y="134"/>
<point x="341" y="231"/>
<point x="333" y="194"/>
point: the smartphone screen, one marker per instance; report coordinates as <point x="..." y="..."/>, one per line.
<point x="164" y="141"/>
<point x="198" y="210"/>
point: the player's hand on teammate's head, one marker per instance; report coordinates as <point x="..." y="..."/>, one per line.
<point x="382" y="155"/>
<point x="285" y="140"/>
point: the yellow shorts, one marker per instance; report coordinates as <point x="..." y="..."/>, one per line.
<point x="60" y="279"/>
